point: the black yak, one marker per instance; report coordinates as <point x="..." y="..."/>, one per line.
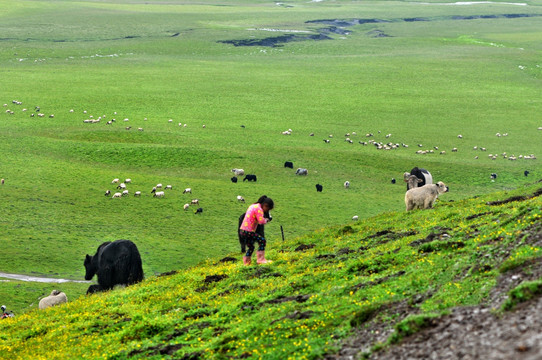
<point x="115" y="263"/>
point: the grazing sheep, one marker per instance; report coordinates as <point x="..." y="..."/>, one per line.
<point x="121" y="186"/>
<point x="234" y="179"/>
<point x="301" y="171"/>
<point x="198" y="211"/>
<point x="393" y="181"/>
<point x="240" y="198"/>
<point x="56" y="298"/>
<point x="127" y="181"/>
<point x="347" y="184"/>
<point x="250" y="177"/>
<point x="116" y="195"/>
<point x="326" y="141"/>
<point x="125" y="193"/>
<point x="355" y="218"/>
<point x="424" y="197"/>
<point x="137" y="193"/>
<point x="153" y="190"/>
<point x="187" y="191"/>
<point x="526" y="173"/>
<point x="2" y="181"/>
<point x="289" y="164"/>
<point x="412" y="181"/>
<point x="158" y="194"/>
<point x="158" y="186"/>
<point x="194" y="202"/>
<point x="169" y="187"/>
<point x="319" y="188"/>
<point x="115" y="181"/>
<point x="238" y="172"/>
<point x="186" y="206"/>
<point x="493" y="176"/>
<point x="107" y="192"/>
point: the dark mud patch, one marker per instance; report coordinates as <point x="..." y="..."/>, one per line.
<point x="515" y="198"/>
<point x="304" y="247"/>
<point x="283" y="299"/>
<point x="377" y="34"/>
<point x="475" y="216"/>
<point x="296" y="315"/>
<point x="262" y="272"/>
<point x="275" y="41"/>
<point x="227" y="259"/>
<point x="430" y="238"/>
<point x="214" y="278"/>
<point x="377" y="281"/>
<point x="168" y="273"/>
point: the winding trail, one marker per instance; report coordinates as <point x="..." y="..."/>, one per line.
<point x="38" y="279"/>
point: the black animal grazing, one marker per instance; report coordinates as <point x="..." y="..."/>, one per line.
<point x="493" y="176"/>
<point x="198" y="211"/>
<point x="234" y="179"/>
<point x="114" y="263"/>
<point x="250" y="178"/>
<point x="526" y="173"/>
<point x="319" y="188"/>
<point x="393" y="180"/>
<point x="289" y="164"/>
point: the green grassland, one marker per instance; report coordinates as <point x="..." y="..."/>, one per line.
<point x="321" y="288"/>
<point x="426" y="83"/>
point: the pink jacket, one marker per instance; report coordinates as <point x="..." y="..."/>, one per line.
<point x="253" y="217"/>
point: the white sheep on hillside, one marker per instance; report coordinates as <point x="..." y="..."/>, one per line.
<point x="424" y="197"/>
<point x="238" y="172"/>
<point x="116" y="195"/>
<point x="186" y="206"/>
<point x="187" y="191"/>
<point x="159" y="194"/>
<point x="240" y="198"/>
<point x="56" y="298"/>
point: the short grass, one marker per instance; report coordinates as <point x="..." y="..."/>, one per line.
<point x="319" y="289"/>
<point x="425" y="84"/>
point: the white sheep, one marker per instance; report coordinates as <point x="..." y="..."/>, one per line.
<point x="169" y="187"/>
<point x="347" y="184"/>
<point x="238" y="172"/>
<point x="56" y="298"/>
<point x="125" y="193"/>
<point x="355" y="218"/>
<point x="186" y="206"/>
<point x="122" y="186"/>
<point x="159" y="194"/>
<point x="240" y="198"/>
<point x="116" y="195"/>
<point x="2" y="181"/>
<point x="115" y="181"/>
<point x="137" y="193"/>
<point x="127" y="181"/>
<point x="195" y="202"/>
<point x="158" y="186"/>
<point x="424" y="197"/>
<point x="187" y="191"/>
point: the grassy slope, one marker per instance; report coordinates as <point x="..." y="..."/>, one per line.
<point x="53" y="210"/>
<point x="306" y="301"/>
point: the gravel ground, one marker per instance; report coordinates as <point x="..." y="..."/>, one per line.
<point x="466" y="333"/>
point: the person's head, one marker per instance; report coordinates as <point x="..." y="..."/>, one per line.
<point x="266" y="203"/>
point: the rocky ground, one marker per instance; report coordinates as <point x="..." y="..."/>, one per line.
<point x="476" y="332"/>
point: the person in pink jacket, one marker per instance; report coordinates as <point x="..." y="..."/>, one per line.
<point x="257" y="214"/>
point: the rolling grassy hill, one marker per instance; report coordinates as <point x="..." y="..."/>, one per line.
<point x="386" y="277"/>
<point x="469" y="70"/>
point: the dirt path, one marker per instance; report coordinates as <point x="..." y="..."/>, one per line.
<point x="38" y="279"/>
